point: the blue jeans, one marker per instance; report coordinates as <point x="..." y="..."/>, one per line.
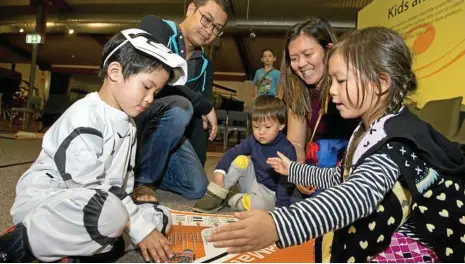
<point x="165" y="157"/>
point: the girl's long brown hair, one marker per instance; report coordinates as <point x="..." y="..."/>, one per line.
<point x="374" y="54"/>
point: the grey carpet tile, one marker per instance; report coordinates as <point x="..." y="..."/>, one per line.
<point x="15" y="151"/>
<point x="8" y="178"/>
<point x="131" y="257"/>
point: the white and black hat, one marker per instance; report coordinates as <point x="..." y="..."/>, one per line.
<point x="139" y="40"/>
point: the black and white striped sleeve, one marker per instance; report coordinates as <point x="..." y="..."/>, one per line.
<point x="338" y="206"/>
<point x="308" y="175"/>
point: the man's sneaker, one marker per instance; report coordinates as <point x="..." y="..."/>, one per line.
<point x="213" y="200"/>
<point x="14" y="245"/>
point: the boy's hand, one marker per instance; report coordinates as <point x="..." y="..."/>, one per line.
<point x="255" y="231"/>
<point x="211" y="118"/>
<point x="280" y="165"/>
<point x="156" y="247"/>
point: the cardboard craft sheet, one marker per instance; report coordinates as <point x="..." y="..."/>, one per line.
<point x="189" y="231"/>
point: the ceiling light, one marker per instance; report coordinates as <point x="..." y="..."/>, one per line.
<point x="71" y="31"/>
<point x="21" y="30"/>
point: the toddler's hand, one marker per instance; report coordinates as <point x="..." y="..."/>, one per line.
<point x="308" y="190"/>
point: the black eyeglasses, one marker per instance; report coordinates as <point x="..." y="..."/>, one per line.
<point x="208" y="22"/>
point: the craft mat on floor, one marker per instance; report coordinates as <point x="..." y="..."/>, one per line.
<point x="189" y="231"/>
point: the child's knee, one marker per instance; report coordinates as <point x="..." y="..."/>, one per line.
<point x="117" y="215"/>
<point x="241" y="162"/>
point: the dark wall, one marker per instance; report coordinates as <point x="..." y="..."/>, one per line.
<point x="59" y="83"/>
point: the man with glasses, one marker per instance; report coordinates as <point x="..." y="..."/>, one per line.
<point x="172" y="145"/>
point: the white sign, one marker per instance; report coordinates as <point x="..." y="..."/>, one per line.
<point x="33" y="39"/>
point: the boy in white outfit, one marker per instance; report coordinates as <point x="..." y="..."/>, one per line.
<point x="73" y="201"/>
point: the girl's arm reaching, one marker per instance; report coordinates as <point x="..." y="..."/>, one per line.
<point x="307" y="175"/>
<point x="338" y="206"/>
<point x="334" y="208"/>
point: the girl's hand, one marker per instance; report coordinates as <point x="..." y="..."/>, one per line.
<point x="255" y="231"/>
<point x="280" y="164"/>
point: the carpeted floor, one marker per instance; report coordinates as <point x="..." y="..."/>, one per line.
<point x="18" y="151"/>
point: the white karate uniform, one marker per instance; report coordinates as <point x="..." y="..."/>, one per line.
<point x="74" y="199"/>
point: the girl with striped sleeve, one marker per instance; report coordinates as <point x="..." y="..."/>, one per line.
<point x="399" y="193"/>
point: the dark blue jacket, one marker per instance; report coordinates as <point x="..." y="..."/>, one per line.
<point x="265" y="174"/>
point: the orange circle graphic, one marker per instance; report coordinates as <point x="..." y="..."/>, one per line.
<point x="424" y="39"/>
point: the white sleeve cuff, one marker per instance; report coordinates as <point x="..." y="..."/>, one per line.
<point x="139" y="228"/>
<point x="220" y="171"/>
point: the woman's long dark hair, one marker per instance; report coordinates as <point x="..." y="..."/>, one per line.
<point x="293" y="91"/>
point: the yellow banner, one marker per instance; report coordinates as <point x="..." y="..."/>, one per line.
<point x="435" y="31"/>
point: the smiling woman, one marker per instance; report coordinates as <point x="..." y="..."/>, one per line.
<point x="312" y="118"/>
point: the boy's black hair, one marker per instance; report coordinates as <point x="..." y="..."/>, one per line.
<point x="267" y="49"/>
<point x="268" y="107"/>
<point x="132" y="60"/>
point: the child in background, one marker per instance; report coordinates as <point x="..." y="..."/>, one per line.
<point x="73" y="201"/>
<point x="399" y="194"/>
<point x="260" y="187"/>
<point x="266" y="79"/>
